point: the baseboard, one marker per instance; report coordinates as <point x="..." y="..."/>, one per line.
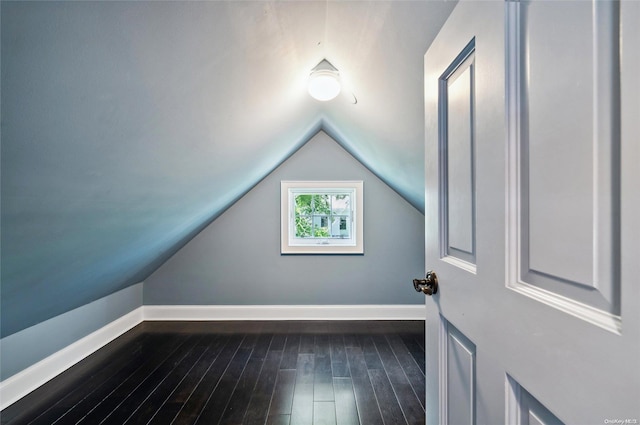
<point x="284" y="312"/>
<point x="22" y="383"/>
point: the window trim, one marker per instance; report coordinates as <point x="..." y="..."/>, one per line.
<point x="290" y="245"/>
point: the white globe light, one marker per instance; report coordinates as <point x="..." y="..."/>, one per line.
<point x="324" y="85"/>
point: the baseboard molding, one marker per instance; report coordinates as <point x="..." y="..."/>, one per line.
<point x="284" y="312"/>
<point x="22" y="383"/>
<point x="17" y="386"/>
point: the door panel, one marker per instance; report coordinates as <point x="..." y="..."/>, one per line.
<point x="458" y="375"/>
<point x="566" y="88"/>
<point x="456" y="153"/>
<point x="524" y="409"/>
<point x="531" y="166"/>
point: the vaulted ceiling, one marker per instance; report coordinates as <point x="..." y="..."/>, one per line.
<point x="128" y="126"/>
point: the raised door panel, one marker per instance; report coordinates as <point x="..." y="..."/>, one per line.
<point x="457" y="376"/>
<point x="565" y="141"/>
<point x="525" y="409"/>
<point x="456" y="110"/>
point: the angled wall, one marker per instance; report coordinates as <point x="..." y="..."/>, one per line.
<point x="236" y="260"/>
<point x="22" y="349"/>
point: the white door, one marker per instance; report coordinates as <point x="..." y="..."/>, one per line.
<point x="532" y="214"/>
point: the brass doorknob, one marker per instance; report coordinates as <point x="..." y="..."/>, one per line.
<point x="428" y="285"/>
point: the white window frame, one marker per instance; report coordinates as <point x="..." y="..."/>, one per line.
<point x="289" y="244"/>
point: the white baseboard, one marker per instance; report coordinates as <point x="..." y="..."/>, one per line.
<point x="17" y="386"/>
<point x="285" y="312"/>
<point x="22" y="383"/>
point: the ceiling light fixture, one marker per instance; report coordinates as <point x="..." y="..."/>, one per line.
<point x="324" y="83"/>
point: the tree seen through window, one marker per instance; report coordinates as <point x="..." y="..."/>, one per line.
<point x="323" y="215"/>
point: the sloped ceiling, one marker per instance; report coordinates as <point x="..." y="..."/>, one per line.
<point x="128" y="126"/>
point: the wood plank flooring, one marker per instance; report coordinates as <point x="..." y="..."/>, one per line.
<point x="274" y="373"/>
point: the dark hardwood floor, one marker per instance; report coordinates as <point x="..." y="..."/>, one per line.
<point x="296" y="373"/>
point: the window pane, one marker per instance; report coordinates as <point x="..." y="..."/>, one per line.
<point x="321" y="215"/>
<point x="340" y="227"/>
<point x="321" y="204"/>
<point x="320" y="226"/>
<point x="340" y="204"/>
<point x="303" y="205"/>
<point x="303" y="226"/>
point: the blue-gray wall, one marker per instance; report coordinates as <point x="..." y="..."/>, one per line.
<point x="27" y="347"/>
<point x="236" y="260"/>
<point x="129" y="126"/>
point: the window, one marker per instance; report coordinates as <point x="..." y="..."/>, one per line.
<point x="321" y="217"/>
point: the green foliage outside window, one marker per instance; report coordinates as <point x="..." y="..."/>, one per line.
<point x="313" y="213"/>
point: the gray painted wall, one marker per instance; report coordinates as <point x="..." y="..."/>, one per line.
<point x="236" y="260"/>
<point x="27" y="347"/>
<point x="128" y="126"/>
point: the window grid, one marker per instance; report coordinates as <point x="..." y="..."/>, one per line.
<point x="329" y="220"/>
